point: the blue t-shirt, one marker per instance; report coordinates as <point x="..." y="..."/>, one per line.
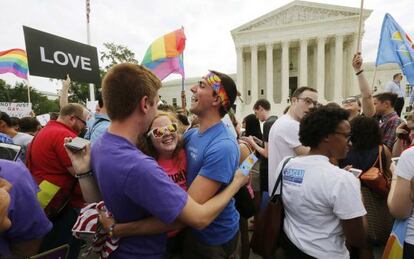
<point x="135" y="187"/>
<point x="28" y="219"/>
<point x="214" y="154"/>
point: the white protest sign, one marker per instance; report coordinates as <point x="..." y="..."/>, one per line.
<point x="91" y="106"/>
<point x="18" y="110"/>
<point x="43" y="119"/>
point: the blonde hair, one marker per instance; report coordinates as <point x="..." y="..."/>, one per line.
<point x="144" y="143"/>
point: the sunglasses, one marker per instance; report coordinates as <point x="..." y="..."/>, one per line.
<point x="161" y="131"/>
<point x="84" y="122"/>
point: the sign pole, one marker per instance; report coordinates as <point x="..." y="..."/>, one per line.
<point x="361" y="10"/>
<point x="28" y="90"/>
<point x="88" y="38"/>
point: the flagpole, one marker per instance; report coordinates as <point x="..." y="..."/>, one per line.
<point x="373" y="79"/>
<point x="88" y="39"/>
<point x="361" y="10"/>
<point x="183" y="99"/>
<point x="28" y="90"/>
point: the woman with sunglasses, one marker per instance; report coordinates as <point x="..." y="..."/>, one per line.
<point x="164" y="143"/>
<point x="405" y="135"/>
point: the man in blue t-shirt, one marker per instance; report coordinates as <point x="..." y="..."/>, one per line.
<point x="133" y="186"/>
<point x="212" y="158"/>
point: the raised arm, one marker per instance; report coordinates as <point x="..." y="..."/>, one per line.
<point x="64" y="94"/>
<point x="366" y="92"/>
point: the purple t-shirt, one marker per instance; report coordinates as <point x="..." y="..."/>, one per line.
<point x="28" y="218"/>
<point x="135" y="187"/>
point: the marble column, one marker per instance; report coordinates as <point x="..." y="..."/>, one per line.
<point x="240" y="76"/>
<point x="269" y="72"/>
<point x="339" y="57"/>
<point x="320" y="68"/>
<point x="285" y="71"/>
<point x="303" y="63"/>
<point x="254" y="75"/>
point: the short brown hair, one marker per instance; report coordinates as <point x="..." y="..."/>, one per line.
<point x="124" y="86"/>
<point x="302" y="89"/>
<point x="387" y="96"/>
<point x="72" y="109"/>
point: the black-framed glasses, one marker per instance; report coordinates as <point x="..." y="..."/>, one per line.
<point x="309" y="101"/>
<point x="346" y="135"/>
<point x="161" y="131"/>
<point x="349" y="100"/>
<point x="84" y="122"/>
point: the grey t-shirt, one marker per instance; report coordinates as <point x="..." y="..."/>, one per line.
<point x="23" y="140"/>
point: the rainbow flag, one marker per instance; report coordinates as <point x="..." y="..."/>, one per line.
<point x="164" y="56"/>
<point x="394" y="247"/>
<point x="14" y="61"/>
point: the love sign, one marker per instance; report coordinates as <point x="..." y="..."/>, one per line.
<point x="53" y="56"/>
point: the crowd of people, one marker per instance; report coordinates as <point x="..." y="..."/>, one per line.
<point x="170" y="181"/>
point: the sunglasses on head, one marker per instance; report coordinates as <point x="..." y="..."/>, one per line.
<point x="161" y="131"/>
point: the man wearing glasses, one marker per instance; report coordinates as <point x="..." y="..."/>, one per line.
<point x="284" y="134"/>
<point x="52" y="169"/>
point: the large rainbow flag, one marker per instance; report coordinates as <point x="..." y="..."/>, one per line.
<point x="14" y="61"/>
<point x="164" y="56"/>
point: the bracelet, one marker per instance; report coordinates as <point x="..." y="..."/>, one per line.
<point x="83" y="175"/>
<point x="111" y="230"/>
<point x="359" y="72"/>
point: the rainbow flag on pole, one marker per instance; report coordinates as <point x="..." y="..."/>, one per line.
<point x="14" y="61"/>
<point x="164" y="56"/>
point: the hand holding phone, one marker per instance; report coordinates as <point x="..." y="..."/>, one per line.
<point x="77" y="144"/>
<point x="356" y="172"/>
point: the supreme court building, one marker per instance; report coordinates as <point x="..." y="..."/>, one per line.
<point x="299" y="44"/>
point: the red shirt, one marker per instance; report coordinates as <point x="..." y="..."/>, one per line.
<point x="49" y="161"/>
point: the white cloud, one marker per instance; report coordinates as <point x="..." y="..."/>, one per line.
<point x="137" y="23"/>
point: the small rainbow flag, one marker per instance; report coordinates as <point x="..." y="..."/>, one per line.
<point x="14" y="61"/>
<point x="164" y="56"/>
<point x="394" y="247"/>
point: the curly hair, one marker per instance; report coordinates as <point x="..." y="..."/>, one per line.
<point x="320" y="123"/>
<point x="366" y="133"/>
<point x="144" y="143"/>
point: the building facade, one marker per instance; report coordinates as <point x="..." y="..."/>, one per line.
<point x="299" y="44"/>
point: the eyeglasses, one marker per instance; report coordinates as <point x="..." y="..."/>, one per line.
<point x="349" y="100"/>
<point x="161" y="131"/>
<point x="309" y="101"/>
<point x="346" y="135"/>
<point x="84" y="122"/>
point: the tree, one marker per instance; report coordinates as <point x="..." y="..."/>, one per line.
<point x="112" y="55"/>
<point x="18" y="93"/>
<point x="115" y="54"/>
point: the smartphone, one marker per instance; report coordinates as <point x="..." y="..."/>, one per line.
<point x="248" y="163"/>
<point x="356" y="172"/>
<point x="77" y="144"/>
<point x="10" y="151"/>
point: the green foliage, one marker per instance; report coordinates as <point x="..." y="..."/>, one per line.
<point x="115" y="54"/>
<point x="18" y="93"/>
<point x="112" y="55"/>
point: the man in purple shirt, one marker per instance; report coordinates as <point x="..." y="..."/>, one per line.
<point x="29" y="222"/>
<point x="133" y="185"/>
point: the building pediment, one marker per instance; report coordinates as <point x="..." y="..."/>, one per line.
<point x="297" y="13"/>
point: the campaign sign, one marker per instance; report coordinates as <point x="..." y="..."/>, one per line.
<point x="18" y="110"/>
<point x="52" y="56"/>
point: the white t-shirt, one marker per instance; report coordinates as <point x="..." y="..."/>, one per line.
<point x="283" y="139"/>
<point x="405" y="169"/>
<point x="317" y="196"/>
<point x="22" y="139"/>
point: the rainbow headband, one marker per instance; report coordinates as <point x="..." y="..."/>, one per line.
<point x="215" y="82"/>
